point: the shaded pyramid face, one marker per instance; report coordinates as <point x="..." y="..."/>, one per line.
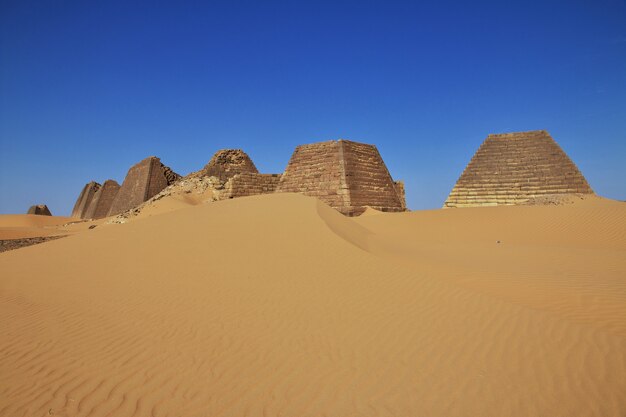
<point x="84" y="199"/>
<point x="514" y="168"/>
<point x="143" y="181"/>
<point x="102" y="200"/>
<point x="346" y="175"/>
<point x="227" y="163"/>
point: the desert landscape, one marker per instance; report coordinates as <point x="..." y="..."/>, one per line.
<point x="219" y="295"/>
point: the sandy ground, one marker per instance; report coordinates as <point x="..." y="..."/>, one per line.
<point x="19" y="226"/>
<point x="279" y="306"/>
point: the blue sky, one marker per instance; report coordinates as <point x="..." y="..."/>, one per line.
<point x="87" y="89"/>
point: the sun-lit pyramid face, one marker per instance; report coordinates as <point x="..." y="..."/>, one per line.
<point x="348" y="176"/>
<point x="513" y="168"/>
<point x="84" y="199"/>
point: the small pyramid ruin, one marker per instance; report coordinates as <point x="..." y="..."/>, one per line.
<point x="143" y="180"/>
<point x="39" y="209"/>
<point x="346" y="175"/>
<point x="227" y="163"/>
<point x="84" y="199"/>
<point x="102" y="200"/>
<point x="514" y="168"/>
<point x="237" y="175"/>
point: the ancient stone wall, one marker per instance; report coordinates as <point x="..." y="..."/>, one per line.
<point x="102" y="200"/>
<point x="39" y="209"/>
<point x="401" y="193"/>
<point x="514" y="168"/>
<point x="84" y="199"/>
<point x="345" y="175"/>
<point x="247" y="184"/>
<point x="143" y="180"/>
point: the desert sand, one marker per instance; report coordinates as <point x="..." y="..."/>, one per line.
<point x="277" y="305"/>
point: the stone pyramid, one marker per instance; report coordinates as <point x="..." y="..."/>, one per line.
<point x="346" y="175"/>
<point x="227" y="163"/>
<point x="39" y="209"/>
<point x="513" y="168"/>
<point x="102" y="200"/>
<point x="84" y="199"/>
<point x="143" y="181"/>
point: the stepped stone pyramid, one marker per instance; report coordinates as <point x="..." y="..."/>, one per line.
<point x="346" y="175"/>
<point x="143" y="180"/>
<point x="102" y="200"/>
<point x="84" y="199"/>
<point x="513" y="168"/>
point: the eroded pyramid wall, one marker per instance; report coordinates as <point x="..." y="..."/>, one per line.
<point x="513" y="168"/>
<point x="227" y="163"/>
<point x="143" y="180"/>
<point x="247" y="184"/>
<point x="84" y="199"/>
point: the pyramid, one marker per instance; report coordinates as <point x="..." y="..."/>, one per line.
<point x="39" y="209"/>
<point x="513" y="168"/>
<point x="346" y="175"/>
<point x="227" y="163"/>
<point x="102" y="200"/>
<point x="143" y="181"/>
<point x="84" y="199"/>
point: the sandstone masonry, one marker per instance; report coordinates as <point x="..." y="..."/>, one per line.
<point x="514" y="168"/>
<point x="346" y="175"/>
<point x="227" y="163"/>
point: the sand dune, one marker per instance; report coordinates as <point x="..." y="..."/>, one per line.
<point x="278" y="305"/>
<point x="17" y="226"/>
<point x="567" y="259"/>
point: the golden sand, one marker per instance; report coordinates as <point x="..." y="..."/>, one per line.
<point x="277" y="305"/>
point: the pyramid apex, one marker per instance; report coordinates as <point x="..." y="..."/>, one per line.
<point x="519" y="134"/>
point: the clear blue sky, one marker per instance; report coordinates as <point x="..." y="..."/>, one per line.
<point x="87" y="89"/>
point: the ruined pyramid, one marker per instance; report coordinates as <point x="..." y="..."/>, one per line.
<point x="143" y="180"/>
<point x="226" y="163"/>
<point x="40" y="210"/>
<point x="513" y="168"/>
<point x="346" y="175"/>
